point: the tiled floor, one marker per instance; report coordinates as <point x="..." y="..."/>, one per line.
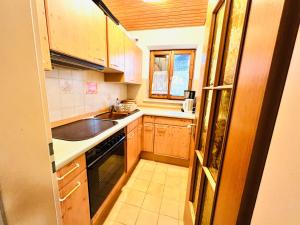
<point x="154" y="195"/>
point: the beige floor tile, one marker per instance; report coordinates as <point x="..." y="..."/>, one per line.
<point x="127" y="214"/>
<point x="181" y="211"/>
<point x="159" y="177"/>
<point x="152" y="203"/>
<point x="155" y="189"/>
<point x="165" y="220"/>
<point x="134" y="197"/>
<point x="144" y="175"/>
<point x="114" y="211"/>
<point x="181" y="222"/>
<point x="149" y="167"/>
<point x="147" y="218"/>
<point x="169" y="208"/>
<point x="171" y="193"/>
<point x="161" y="167"/>
<point x="129" y="183"/>
<point x="140" y="185"/>
<point x="174" y="181"/>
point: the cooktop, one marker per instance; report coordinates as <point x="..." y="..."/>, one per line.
<point x="82" y="129"/>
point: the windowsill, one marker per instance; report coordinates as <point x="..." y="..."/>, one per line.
<point x="163" y="101"/>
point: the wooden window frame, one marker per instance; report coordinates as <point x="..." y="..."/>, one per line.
<point x="171" y="54"/>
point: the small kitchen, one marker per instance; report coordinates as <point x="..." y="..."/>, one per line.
<point x="109" y="115"/>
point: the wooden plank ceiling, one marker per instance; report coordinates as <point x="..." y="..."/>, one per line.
<point x="140" y="15"/>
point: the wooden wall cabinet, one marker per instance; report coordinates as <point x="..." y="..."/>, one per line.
<point x="116" y="50"/>
<point x="77" y="28"/>
<point x="73" y="191"/>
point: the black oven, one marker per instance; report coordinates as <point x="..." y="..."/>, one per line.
<point x="105" y="166"/>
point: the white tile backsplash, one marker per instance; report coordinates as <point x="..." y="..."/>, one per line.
<point x="66" y="92"/>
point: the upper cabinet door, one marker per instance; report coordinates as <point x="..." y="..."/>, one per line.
<point x="77" y="28"/>
<point x="116" y="50"/>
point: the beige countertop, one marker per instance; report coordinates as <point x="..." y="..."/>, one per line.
<point x="66" y="151"/>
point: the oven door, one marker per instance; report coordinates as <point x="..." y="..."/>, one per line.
<point x="103" y="173"/>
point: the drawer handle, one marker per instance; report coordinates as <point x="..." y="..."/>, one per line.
<point x="69" y="172"/>
<point x="114" y="65"/>
<point x="148" y="128"/>
<point x="71" y="192"/>
<point x="162" y="130"/>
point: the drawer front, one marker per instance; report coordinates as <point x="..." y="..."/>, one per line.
<point x="74" y="201"/>
<point x="172" y="121"/>
<point x="148" y="119"/>
<point x="132" y="125"/>
<point x="70" y="171"/>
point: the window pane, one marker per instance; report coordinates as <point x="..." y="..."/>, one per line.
<point x="160" y="75"/>
<point x="207" y="204"/>
<point x="220" y="121"/>
<point x="216" y="45"/>
<point x="205" y="121"/>
<point x="181" y="76"/>
<point x="232" y="46"/>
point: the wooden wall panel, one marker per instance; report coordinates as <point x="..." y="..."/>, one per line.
<point x="140" y="15"/>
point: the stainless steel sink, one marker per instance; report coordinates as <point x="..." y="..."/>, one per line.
<point x="114" y="115"/>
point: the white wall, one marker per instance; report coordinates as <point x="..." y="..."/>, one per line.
<point x="278" y="201"/>
<point x="67" y="97"/>
<point x="172" y="38"/>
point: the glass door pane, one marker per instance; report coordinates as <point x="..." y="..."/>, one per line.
<point x="216" y="45"/>
<point x="233" y="39"/>
<point x="160" y="75"/>
<point x="204" y="126"/>
<point x="207" y="204"/>
<point x="219" y="125"/>
<point x="181" y="74"/>
<point x="197" y="181"/>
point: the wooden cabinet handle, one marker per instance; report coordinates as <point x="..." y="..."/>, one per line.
<point x="71" y="192"/>
<point x="148" y="128"/>
<point x="69" y="172"/>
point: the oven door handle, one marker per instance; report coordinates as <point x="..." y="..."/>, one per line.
<point x="107" y="152"/>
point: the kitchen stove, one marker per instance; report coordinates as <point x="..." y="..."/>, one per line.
<point x="82" y="129"/>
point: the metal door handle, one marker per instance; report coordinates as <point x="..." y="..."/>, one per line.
<point x="71" y="192"/>
<point x="69" y="172"/>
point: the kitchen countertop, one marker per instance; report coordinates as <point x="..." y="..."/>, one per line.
<point x="66" y="151"/>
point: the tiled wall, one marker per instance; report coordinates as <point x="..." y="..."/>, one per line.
<point x="67" y="92"/>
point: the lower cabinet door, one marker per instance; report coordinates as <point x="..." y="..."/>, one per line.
<point x="132" y="142"/>
<point x="148" y="137"/>
<point x="181" y="139"/>
<point x="74" y="201"/>
<point x="162" y="140"/>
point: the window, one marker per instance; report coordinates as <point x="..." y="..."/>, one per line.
<point x="171" y="72"/>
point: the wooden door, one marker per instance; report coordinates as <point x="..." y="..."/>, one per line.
<point x="225" y="25"/>
<point x="129" y="60"/>
<point x="148" y="137"/>
<point x="75" y="201"/>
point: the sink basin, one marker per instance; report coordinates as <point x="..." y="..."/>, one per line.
<point x="114" y="115"/>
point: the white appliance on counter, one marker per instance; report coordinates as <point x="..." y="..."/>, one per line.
<point x="187" y="105"/>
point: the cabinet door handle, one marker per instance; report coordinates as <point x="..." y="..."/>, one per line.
<point x="69" y="172"/>
<point x="114" y="65"/>
<point x="71" y="192"/>
<point x="100" y="59"/>
<point x="191" y="125"/>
